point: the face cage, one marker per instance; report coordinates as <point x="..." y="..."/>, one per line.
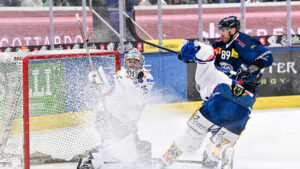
<point x="133" y="72"/>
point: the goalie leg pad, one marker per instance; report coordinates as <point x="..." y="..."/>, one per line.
<point x="227" y="157"/>
<point x="195" y="132"/>
<point x="191" y="140"/>
<point x="220" y="147"/>
<point x="199" y="123"/>
<point x="144" y="153"/>
<point x="224" y="135"/>
<point x="219" y="142"/>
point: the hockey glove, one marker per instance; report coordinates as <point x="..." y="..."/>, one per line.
<point x="180" y="58"/>
<point x="188" y="53"/>
<point x="249" y="74"/>
<point x="243" y="75"/>
<point x="94" y="79"/>
<point x="140" y="77"/>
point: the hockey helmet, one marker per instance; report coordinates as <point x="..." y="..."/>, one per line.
<point x="137" y="55"/>
<point x="229" y="22"/>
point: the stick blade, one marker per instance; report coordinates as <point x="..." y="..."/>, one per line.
<point x="132" y="30"/>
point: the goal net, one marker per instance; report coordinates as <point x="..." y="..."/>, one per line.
<point x="47" y="107"/>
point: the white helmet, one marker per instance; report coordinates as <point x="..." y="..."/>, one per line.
<point x="136" y="55"/>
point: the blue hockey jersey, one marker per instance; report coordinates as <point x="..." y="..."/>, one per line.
<point x="227" y="110"/>
<point x="242" y="50"/>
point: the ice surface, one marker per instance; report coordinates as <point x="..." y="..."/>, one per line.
<point x="270" y="141"/>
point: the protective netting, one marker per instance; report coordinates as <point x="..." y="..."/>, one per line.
<point x="61" y="102"/>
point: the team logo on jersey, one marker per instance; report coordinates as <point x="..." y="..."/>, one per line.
<point x="234" y="54"/>
<point x="253" y="46"/>
<point x="150" y="80"/>
<point x="226" y="65"/>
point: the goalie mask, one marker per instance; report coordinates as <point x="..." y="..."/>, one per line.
<point x="133" y="62"/>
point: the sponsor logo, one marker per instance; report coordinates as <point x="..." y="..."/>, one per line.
<point x="226" y="65"/>
<point x="173" y="44"/>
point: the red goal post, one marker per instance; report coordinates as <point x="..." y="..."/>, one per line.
<point x="56" y="103"/>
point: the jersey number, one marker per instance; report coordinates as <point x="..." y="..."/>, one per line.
<point x="225" y="55"/>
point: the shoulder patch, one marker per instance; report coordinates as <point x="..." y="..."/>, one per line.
<point x="241" y="43"/>
<point x="218" y="50"/>
<point x="234" y="54"/>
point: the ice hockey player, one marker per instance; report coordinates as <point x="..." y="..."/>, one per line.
<point x="239" y="52"/>
<point x="117" y="126"/>
<point x="226" y="107"/>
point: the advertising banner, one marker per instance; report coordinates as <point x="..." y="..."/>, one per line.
<point x="173" y="44"/>
<point x="262" y="19"/>
<point x="47" y="88"/>
<point x="283" y="77"/>
<point x="29" y="27"/>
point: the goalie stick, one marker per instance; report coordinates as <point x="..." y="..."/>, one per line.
<point x="136" y="37"/>
<point x="102" y="77"/>
<point x="85" y="41"/>
<point x="155" y="159"/>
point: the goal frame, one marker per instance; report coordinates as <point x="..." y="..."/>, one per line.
<point x="25" y="64"/>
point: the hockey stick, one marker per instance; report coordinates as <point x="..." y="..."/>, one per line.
<point x="137" y="25"/>
<point x="127" y="122"/>
<point x="85" y="41"/>
<point x="136" y="37"/>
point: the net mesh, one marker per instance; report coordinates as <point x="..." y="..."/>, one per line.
<point x="10" y="112"/>
<point x="61" y="103"/>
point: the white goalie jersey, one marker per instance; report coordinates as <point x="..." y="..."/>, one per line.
<point x="143" y="84"/>
<point x="129" y="96"/>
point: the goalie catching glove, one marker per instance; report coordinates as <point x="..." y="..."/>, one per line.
<point x="94" y="79"/>
<point x="98" y="80"/>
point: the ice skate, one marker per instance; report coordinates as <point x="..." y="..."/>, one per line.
<point x="85" y="163"/>
<point x="158" y="163"/>
<point x="207" y="162"/>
